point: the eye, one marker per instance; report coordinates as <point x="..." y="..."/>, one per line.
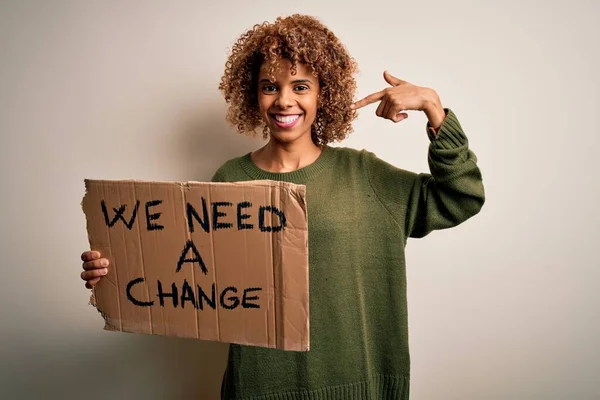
<point x="269" y="88"/>
<point x="302" y="88"/>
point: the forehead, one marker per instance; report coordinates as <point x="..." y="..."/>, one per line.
<point x="285" y="72"/>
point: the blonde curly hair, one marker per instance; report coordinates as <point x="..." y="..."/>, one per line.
<point x="299" y="39"/>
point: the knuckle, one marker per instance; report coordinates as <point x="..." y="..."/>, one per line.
<point x="95" y="264"/>
<point x="89" y="255"/>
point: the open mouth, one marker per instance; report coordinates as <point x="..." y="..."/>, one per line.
<point x="286" y="121"/>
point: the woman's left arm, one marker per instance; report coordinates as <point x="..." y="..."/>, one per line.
<point x="453" y="190"/>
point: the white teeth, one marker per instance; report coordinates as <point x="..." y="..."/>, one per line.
<point x="288" y="119"/>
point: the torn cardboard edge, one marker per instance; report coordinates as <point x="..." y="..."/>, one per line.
<point x="214" y="261"/>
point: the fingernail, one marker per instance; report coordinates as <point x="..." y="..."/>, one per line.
<point x="104" y="263"/>
<point x="103" y="271"/>
<point x="95" y="255"/>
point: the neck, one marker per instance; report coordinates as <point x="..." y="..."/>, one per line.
<point x="286" y="157"/>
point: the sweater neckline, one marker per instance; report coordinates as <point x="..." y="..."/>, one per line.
<point x="300" y="175"/>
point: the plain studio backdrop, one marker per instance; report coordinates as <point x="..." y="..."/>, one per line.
<point x="504" y="306"/>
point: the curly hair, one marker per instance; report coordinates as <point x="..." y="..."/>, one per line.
<point x="299" y="39"/>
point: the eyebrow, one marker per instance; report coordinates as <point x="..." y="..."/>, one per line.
<point x="294" y="81"/>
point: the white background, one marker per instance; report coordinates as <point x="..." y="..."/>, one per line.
<point x="504" y="306"/>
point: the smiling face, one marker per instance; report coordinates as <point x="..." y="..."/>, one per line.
<point x="289" y="105"/>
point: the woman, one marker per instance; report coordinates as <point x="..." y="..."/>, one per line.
<point x="294" y="79"/>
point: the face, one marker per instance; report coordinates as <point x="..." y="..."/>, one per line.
<point x="289" y="105"/>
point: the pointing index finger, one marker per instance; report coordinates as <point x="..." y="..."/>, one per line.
<point x="372" y="98"/>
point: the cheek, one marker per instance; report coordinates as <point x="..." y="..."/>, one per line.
<point x="310" y="105"/>
<point x="262" y="111"/>
<point x="263" y="103"/>
<point x="311" y="110"/>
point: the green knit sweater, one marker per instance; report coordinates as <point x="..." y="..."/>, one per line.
<point x="361" y="210"/>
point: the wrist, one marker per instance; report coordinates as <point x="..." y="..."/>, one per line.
<point x="434" y="110"/>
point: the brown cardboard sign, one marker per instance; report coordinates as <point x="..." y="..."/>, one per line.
<point x="224" y="262"/>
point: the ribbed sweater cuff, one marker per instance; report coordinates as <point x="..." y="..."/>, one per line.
<point x="450" y="134"/>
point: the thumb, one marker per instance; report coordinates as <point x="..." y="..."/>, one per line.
<point x="392" y="80"/>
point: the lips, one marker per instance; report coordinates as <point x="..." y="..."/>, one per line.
<point x="286" y="121"/>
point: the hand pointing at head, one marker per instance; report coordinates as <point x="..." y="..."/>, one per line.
<point x="403" y="96"/>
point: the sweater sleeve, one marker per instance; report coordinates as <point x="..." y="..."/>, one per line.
<point x="448" y="195"/>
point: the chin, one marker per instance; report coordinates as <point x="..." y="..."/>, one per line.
<point x="285" y="137"/>
<point x="290" y="136"/>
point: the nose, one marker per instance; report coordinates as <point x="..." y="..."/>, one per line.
<point x="285" y="99"/>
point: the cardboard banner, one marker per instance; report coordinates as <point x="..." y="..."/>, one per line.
<point x="225" y="262"/>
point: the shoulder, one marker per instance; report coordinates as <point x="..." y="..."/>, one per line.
<point x="345" y="155"/>
<point x="360" y="157"/>
<point x="229" y="170"/>
<point x="345" y="151"/>
<point x="366" y="164"/>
